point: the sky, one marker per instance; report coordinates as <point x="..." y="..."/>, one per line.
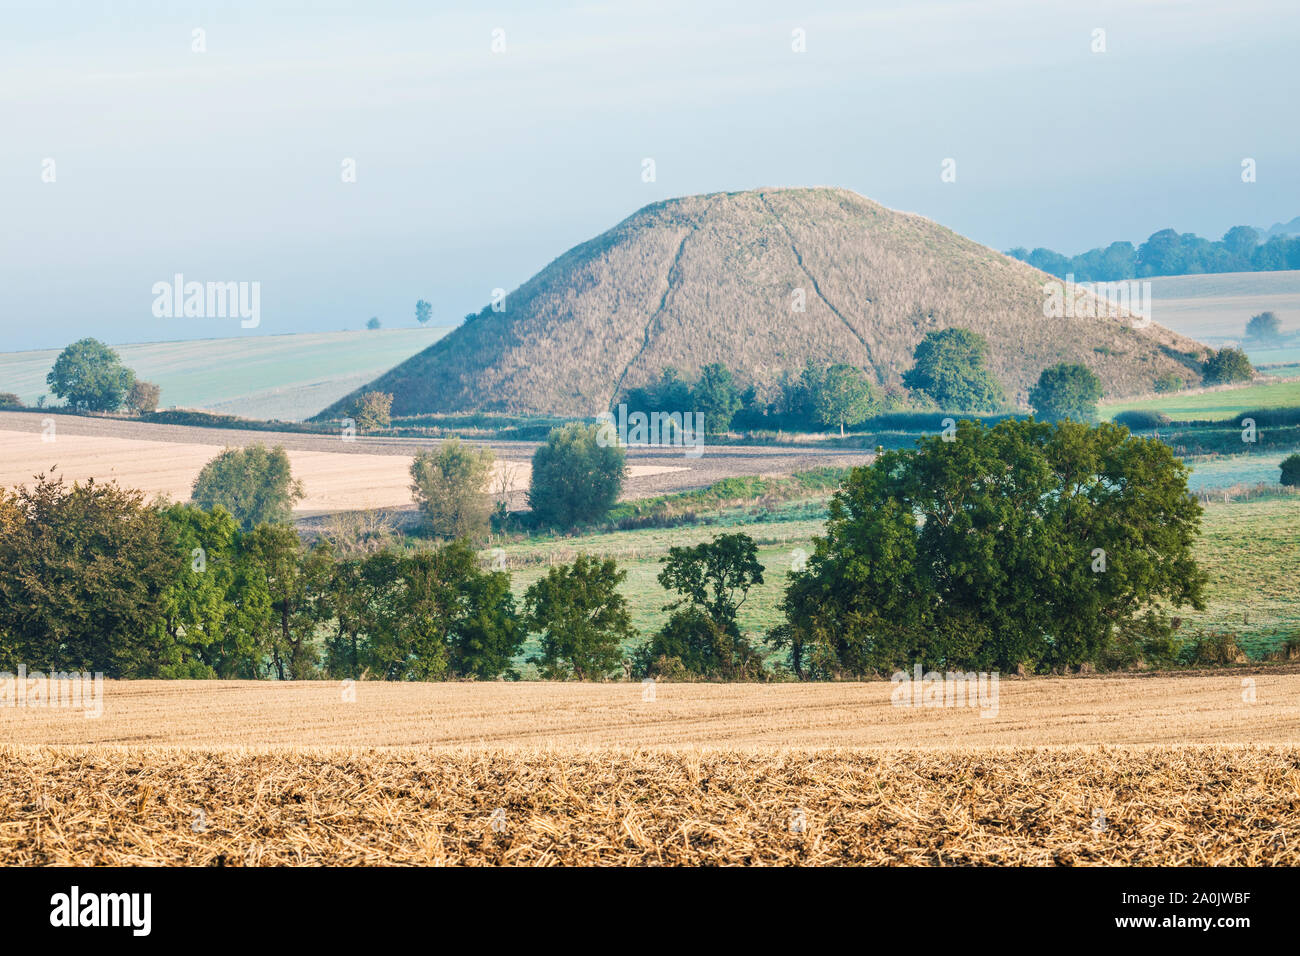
<point x="488" y="139"/>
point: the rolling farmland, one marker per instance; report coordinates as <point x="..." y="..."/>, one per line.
<point x="285" y="377"/>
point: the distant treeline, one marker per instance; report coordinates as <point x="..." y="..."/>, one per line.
<point x="1169" y="253"/>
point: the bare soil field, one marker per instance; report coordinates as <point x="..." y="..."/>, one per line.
<point x="1214" y="805"/>
<point x="1186" y="708"/>
<point x="370" y="472"/>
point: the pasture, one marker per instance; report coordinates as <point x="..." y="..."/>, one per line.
<point x="286" y="377"/>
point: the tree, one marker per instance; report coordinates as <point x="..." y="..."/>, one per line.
<point x="1169" y="382"/>
<point x="712" y="580"/>
<point x="83" y="576"/>
<point x="451" y="488"/>
<point x="576" y="476"/>
<point x="372" y="410"/>
<point x="1226" y="366"/>
<point x="1066" y="391"/>
<point x="1241" y="241"/>
<point x="459" y="620"/>
<point x="9" y="400"/>
<point x="716" y="397"/>
<point x="255" y="484"/>
<point x="581" y="617"/>
<point x="297" y="581"/>
<point x="423" y="312"/>
<point x="1022" y="544"/>
<point x="1291" y="471"/>
<point x="950" y="367"/>
<point x="373" y="323"/>
<point x="841" y="395"/>
<point x="143" y="397"/>
<point x="90" y="375"/>
<point x="1265" y="327"/>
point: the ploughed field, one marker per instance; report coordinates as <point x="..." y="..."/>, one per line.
<point x="337" y="475"/>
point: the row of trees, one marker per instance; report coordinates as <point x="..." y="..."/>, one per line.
<point x="1025" y="545"/>
<point x="1169" y="253"/>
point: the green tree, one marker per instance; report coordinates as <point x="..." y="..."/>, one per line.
<point x="1291" y="471"/>
<point x="423" y="312"/>
<point x="1023" y="544"/>
<point x="255" y="484"/>
<point x="581" y="617"/>
<point x="196" y="635"/>
<point x="373" y="323"/>
<point x="951" y="368"/>
<point x="90" y="375"/>
<point x="372" y="410"/>
<point x="1226" y="366"/>
<point x="716" y="397"/>
<point x="297" y="580"/>
<point x="460" y="621"/>
<point x="370" y="615"/>
<point x="9" y="400"/>
<point x="712" y="580"/>
<point x="84" y="573"/>
<point x="841" y="395"/>
<point x="1265" y="327"/>
<point x="1066" y="391"/>
<point x="1241" y="242"/>
<point x="451" y="488"/>
<point x="142" y="397"/>
<point x="577" y="476"/>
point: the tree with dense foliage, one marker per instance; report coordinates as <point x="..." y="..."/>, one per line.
<point x="951" y="368"/>
<point x="297" y="581"/>
<point x="423" y="312"/>
<point x="702" y="636"/>
<point x="89" y="375"/>
<point x="716" y="397"/>
<point x="1226" y="366"/>
<point x="372" y="410"/>
<point x="84" y="573"/>
<point x="581" y="617"/>
<point x="142" y="397"/>
<point x="373" y="322"/>
<point x="8" y="400"/>
<point x="1264" y="327"/>
<point x="1169" y="382"/>
<point x="576" y="477"/>
<point x="840" y="395"/>
<point x="1025" y="544"/>
<point x="1291" y="471"/>
<point x="1066" y="390"/>
<point x="255" y="484"/>
<point x="451" y="487"/>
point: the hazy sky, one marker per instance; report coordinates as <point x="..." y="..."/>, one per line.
<point x="474" y="169"/>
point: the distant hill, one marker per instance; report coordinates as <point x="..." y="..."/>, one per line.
<point x="287" y="377"/>
<point x="713" y="278"/>
<point x="1291" y="228"/>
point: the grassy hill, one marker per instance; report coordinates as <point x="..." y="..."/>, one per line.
<point x="287" y="377"/>
<point x="713" y="278"/>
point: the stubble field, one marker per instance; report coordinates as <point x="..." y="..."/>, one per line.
<point x="1171" y="769"/>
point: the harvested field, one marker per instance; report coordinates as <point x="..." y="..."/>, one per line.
<point x="1167" y="709"/>
<point x="1036" y="807"/>
<point x="370" y="472"/>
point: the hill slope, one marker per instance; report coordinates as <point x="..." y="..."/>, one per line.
<point x="712" y="278"/>
<point x="286" y="377"/>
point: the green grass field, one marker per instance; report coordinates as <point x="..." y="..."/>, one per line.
<point x="1214" y="405"/>
<point x="1250" y="550"/>
<point x="288" y="377"/>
